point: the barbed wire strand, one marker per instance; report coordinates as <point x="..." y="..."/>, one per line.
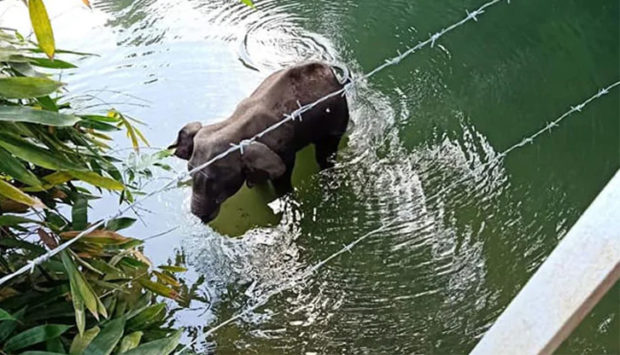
<point x="296" y="114"/>
<point x="292" y="282"/>
<point x="529" y="139"/>
<point x="348" y="247"/>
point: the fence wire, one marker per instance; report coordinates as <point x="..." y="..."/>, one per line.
<point x="393" y="222"/>
<point x="295" y="115"/>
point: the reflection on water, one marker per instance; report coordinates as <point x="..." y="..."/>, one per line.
<point x="467" y="238"/>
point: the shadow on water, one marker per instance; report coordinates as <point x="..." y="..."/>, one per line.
<point x="466" y="239"/>
<point x="260" y="206"/>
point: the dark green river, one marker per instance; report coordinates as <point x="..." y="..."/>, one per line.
<point x="466" y="235"/>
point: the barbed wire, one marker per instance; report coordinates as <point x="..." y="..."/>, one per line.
<point x="348" y="247"/>
<point x="295" y="115"/>
<point x="292" y="282"/>
<point x="529" y="139"/>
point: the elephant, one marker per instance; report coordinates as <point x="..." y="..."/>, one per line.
<point x="270" y="157"/>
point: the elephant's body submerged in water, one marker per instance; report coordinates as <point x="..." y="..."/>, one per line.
<point x="272" y="156"/>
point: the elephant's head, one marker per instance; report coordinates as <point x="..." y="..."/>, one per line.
<point x="215" y="183"/>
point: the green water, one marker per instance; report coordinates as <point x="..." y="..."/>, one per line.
<point x="466" y="239"/>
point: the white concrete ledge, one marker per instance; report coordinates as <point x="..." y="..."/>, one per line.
<point x="579" y="271"/>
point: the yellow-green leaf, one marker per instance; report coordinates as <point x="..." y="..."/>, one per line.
<point x="95" y="179"/>
<point x="98" y="237"/>
<point x="130" y="341"/>
<point x="13" y="193"/>
<point x="80" y="342"/>
<point x="160" y="346"/>
<point x="142" y="137"/>
<point x="159" y="289"/>
<point x="27" y="87"/>
<point x="57" y="178"/>
<point x="173" y="268"/>
<point x="42" y="26"/>
<point x="78" y="307"/>
<point x="79" y="286"/>
<point x="51" y="180"/>
<point x="248" y="3"/>
<point x="166" y="279"/>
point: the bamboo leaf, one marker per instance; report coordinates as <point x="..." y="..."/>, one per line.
<point x="79" y="286"/>
<point x="161" y="346"/>
<point x="54" y="346"/>
<point x="51" y="180"/>
<point x="31" y="115"/>
<point x="15" y="169"/>
<point x="110" y="118"/>
<point x="13" y="193"/>
<point x="106" y="340"/>
<point x="27" y="87"/>
<point x="42" y="26"/>
<point x="95" y="179"/>
<point x="130" y="341"/>
<point x="98" y="236"/>
<point x="172" y="268"/>
<point x="34" y="335"/>
<point x="248" y="3"/>
<point x="7" y="327"/>
<point x="166" y="279"/>
<point x="120" y="223"/>
<point x="79" y="212"/>
<point x="159" y="289"/>
<point x="147" y="317"/>
<point x="4" y="315"/>
<point x="78" y="307"/>
<point x="48" y="63"/>
<point x="57" y="178"/>
<point x="142" y="138"/>
<point x="81" y="341"/>
<point x="10" y="220"/>
<point x="132" y="135"/>
<point x="21" y="244"/>
<point x="42" y="157"/>
<point x="47" y="103"/>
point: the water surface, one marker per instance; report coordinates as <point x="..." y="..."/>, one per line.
<point x="466" y="237"/>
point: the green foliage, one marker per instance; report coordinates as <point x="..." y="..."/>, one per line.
<point x="101" y="295"/>
<point x="248" y="3"/>
<point x="34" y="335"/>
<point x="27" y="87"/>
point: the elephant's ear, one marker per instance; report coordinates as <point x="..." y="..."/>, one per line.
<point x="184" y="145"/>
<point x="261" y="163"/>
